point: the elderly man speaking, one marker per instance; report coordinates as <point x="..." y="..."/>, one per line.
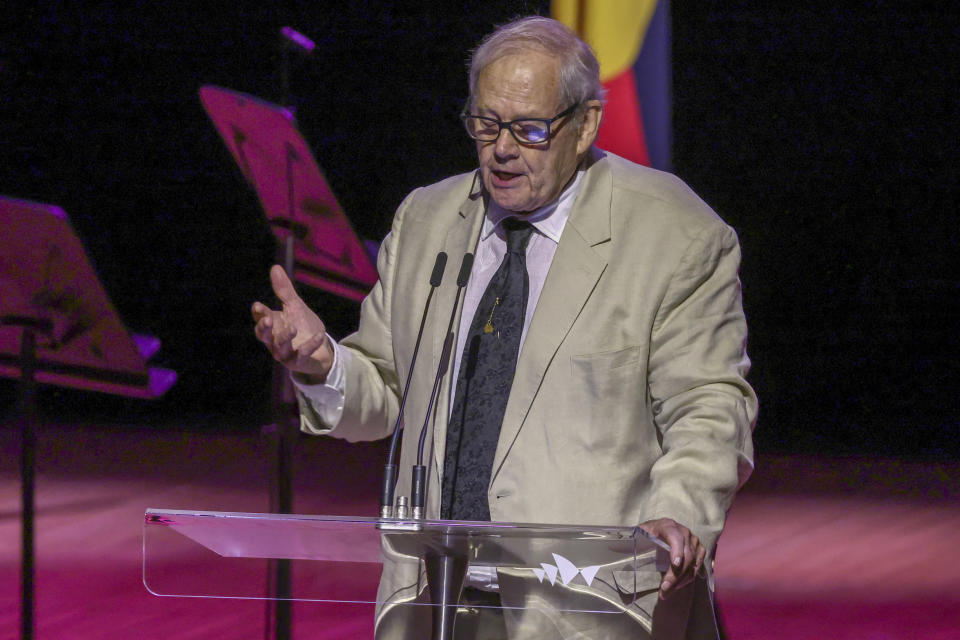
<point x="599" y="362"/>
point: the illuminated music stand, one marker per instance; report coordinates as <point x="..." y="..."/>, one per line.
<point x="57" y="327"/>
<point x="316" y="246"/>
<point x="299" y="204"/>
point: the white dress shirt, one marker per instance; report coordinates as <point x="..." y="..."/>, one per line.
<point x="548" y="222"/>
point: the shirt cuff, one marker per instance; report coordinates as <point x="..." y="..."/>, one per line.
<point x="327" y="397"/>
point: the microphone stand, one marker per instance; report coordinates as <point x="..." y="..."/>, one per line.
<point x="446" y="563"/>
<point x="418" y="485"/>
<point x="390" y="469"/>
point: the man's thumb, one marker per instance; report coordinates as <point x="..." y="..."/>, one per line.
<point x="282" y="286"/>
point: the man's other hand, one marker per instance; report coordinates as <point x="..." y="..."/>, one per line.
<point x="686" y="553"/>
<point x="294" y="335"/>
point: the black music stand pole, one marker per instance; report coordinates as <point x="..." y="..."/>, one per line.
<point x="28" y="417"/>
<point x="316" y="246"/>
<point x="27" y="410"/>
<point x="285" y="433"/>
<point x="281" y="498"/>
<point x="49" y="290"/>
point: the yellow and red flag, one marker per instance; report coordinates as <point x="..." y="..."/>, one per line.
<point x="632" y="41"/>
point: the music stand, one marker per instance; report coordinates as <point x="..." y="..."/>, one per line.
<point x="317" y="246"/>
<point x="58" y="327"/>
<point x="299" y="204"/>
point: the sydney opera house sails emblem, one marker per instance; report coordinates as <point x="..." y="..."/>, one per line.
<point x="566" y="570"/>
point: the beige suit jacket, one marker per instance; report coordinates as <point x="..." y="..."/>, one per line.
<point x="629" y="401"/>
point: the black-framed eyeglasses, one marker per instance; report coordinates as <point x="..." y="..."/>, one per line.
<point x="524" y="130"/>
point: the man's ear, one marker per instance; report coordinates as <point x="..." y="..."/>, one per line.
<point x="589" y="125"/>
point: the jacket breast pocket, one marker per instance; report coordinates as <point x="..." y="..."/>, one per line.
<point x="608" y="393"/>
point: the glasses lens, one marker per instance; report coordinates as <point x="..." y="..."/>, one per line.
<point x="533" y="131"/>
<point x="482" y="128"/>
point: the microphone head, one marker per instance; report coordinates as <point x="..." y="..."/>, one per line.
<point x="437" y="276"/>
<point x="297" y="40"/>
<point x="465" y="268"/>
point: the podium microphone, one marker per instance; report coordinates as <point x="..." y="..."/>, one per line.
<point x="390" y="469"/>
<point x="419" y="479"/>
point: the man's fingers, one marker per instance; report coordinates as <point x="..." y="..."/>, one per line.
<point x="286" y="352"/>
<point x="686" y="554"/>
<point x="259" y="310"/>
<point x="276" y="335"/>
<point x="671" y="536"/>
<point x="283" y="340"/>
<point x="701" y="555"/>
<point x="282" y="286"/>
<point x="263" y="330"/>
<point x="294" y="334"/>
<point x="311" y="344"/>
<point x="674" y="538"/>
<point x="685" y="571"/>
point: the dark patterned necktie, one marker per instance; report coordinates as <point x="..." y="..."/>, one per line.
<point x="487" y="367"/>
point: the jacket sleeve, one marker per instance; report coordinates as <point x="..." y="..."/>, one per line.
<point x="703" y="408"/>
<point x="371" y="395"/>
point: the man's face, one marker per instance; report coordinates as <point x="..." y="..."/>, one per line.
<point x="519" y="177"/>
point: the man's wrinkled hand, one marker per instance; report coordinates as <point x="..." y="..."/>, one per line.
<point x="294" y="335"/>
<point x="686" y="553"/>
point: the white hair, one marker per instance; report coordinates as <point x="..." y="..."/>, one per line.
<point x="579" y="69"/>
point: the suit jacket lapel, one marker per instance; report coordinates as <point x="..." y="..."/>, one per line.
<point x="573" y="274"/>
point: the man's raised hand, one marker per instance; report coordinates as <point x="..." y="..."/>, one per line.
<point x="294" y="335"/>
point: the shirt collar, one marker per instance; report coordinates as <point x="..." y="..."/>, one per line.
<point x="549" y="219"/>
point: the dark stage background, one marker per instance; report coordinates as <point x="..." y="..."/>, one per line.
<point x="826" y="136"/>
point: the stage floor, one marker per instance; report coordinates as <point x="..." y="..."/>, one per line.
<point x="838" y="549"/>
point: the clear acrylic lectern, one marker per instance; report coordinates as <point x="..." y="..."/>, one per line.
<point x="571" y="568"/>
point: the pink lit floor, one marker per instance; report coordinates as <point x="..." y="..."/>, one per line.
<point x="833" y="549"/>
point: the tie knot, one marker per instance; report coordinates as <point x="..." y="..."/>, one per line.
<point x="518" y="234"/>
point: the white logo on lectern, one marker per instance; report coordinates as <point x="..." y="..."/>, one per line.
<point x="566" y="570"/>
